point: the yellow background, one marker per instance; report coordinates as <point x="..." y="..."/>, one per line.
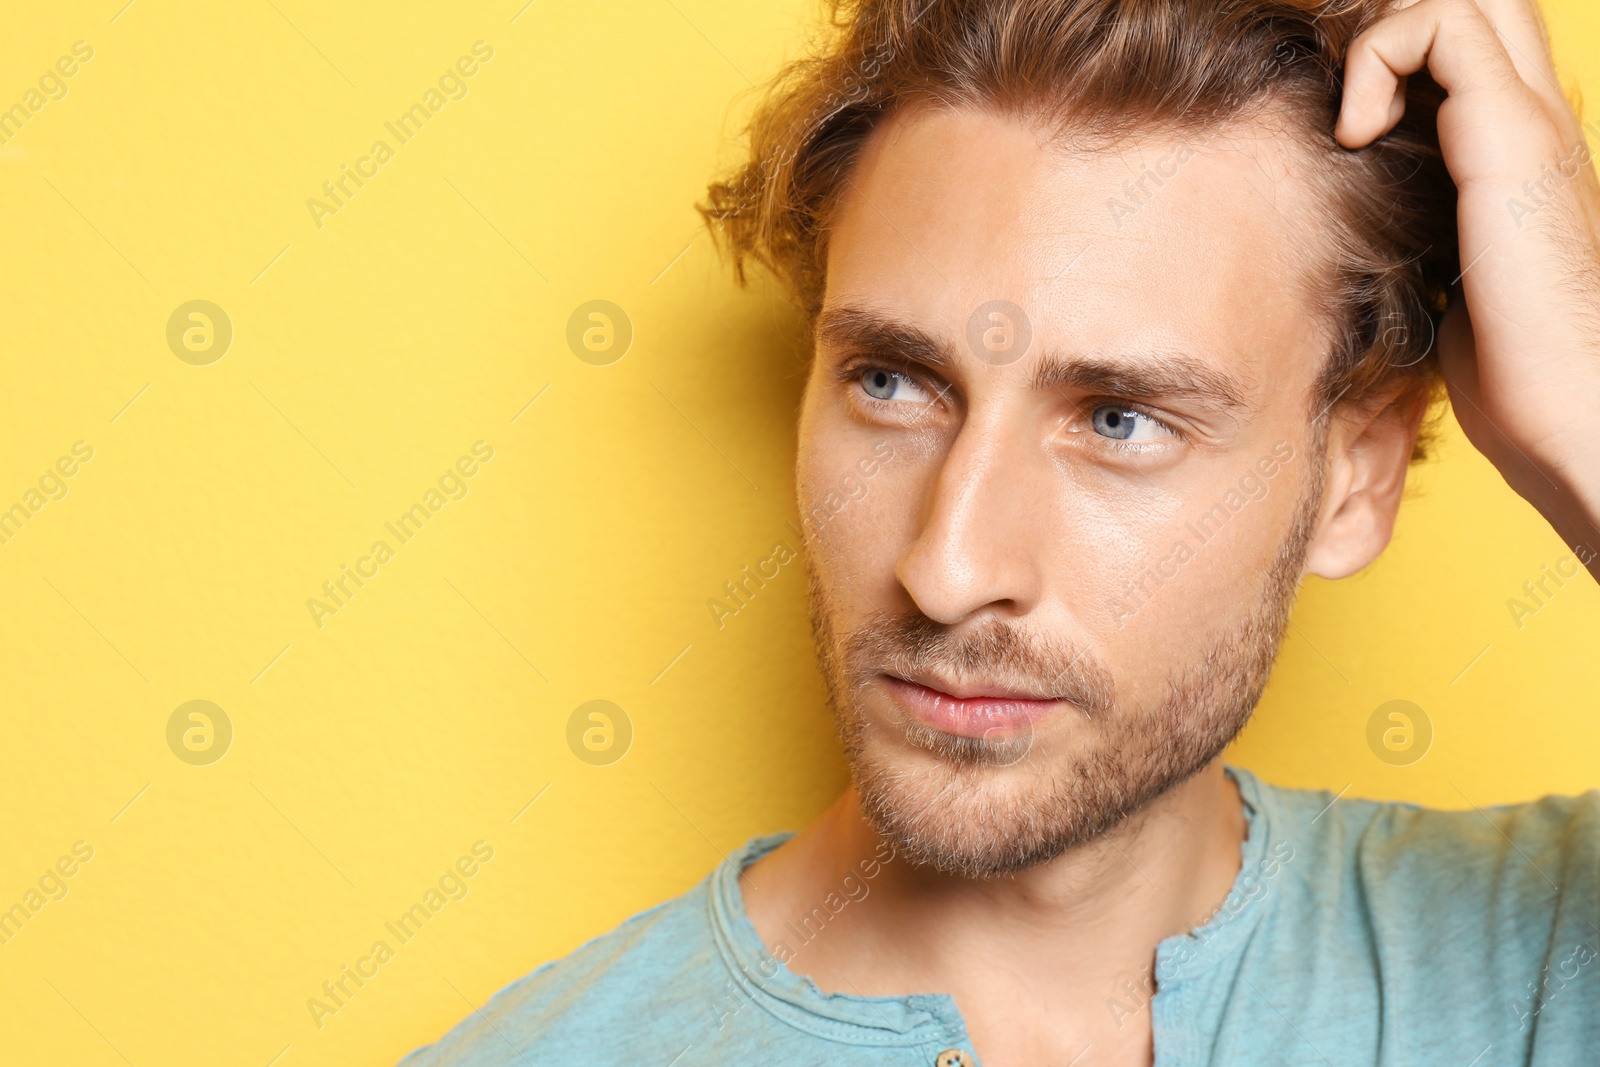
<point x="368" y="354"/>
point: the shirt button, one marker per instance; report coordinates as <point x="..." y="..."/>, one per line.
<point x="952" y="1057"/>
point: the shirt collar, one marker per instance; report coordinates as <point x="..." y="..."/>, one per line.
<point x="794" y="998"/>
<point x="918" y="1018"/>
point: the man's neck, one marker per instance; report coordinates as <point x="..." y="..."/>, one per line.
<point x="1062" y="952"/>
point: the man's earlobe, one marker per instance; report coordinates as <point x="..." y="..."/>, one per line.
<point x="1368" y="455"/>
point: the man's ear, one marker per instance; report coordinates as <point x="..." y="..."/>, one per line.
<point x="1368" y="454"/>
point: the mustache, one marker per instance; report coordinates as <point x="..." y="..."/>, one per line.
<point x="913" y="644"/>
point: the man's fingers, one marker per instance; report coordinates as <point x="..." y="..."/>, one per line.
<point x="1521" y="29"/>
<point x="1453" y="39"/>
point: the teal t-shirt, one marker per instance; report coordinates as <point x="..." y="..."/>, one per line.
<point x="1357" y="933"/>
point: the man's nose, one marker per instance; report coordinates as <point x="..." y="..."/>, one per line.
<point x="985" y="525"/>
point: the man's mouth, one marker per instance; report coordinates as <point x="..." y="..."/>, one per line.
<point x="970" y="710"/>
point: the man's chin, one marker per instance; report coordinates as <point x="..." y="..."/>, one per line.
<point x="979" y="807"/>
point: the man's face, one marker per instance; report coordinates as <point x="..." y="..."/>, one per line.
<point x="1052" y="551"/>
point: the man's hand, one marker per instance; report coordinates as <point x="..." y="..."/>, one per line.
<point x="1521" y="356"/>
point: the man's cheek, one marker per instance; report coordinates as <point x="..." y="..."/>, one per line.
<point x="856" y="541"/>
<point x="1116" y="563"/>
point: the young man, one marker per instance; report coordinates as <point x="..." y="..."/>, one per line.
<point x="1134" y="309"/>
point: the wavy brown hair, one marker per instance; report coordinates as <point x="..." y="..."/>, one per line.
<point x="1106" y="69"/>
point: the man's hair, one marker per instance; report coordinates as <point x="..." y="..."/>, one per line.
<point x="1102" y="70"/>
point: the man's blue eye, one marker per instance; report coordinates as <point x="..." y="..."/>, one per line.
<point x="880" y="383"/>
<point x="894" y="386"/>
<point x="1124" y="424"/>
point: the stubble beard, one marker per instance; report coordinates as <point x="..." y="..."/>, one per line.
<point x="990" y="807"/>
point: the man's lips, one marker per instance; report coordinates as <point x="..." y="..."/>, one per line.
<point x="983" y="712"/>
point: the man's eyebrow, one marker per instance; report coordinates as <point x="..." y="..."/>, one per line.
<point x="852" y="326"/>
<point x="1155" y="375"/>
